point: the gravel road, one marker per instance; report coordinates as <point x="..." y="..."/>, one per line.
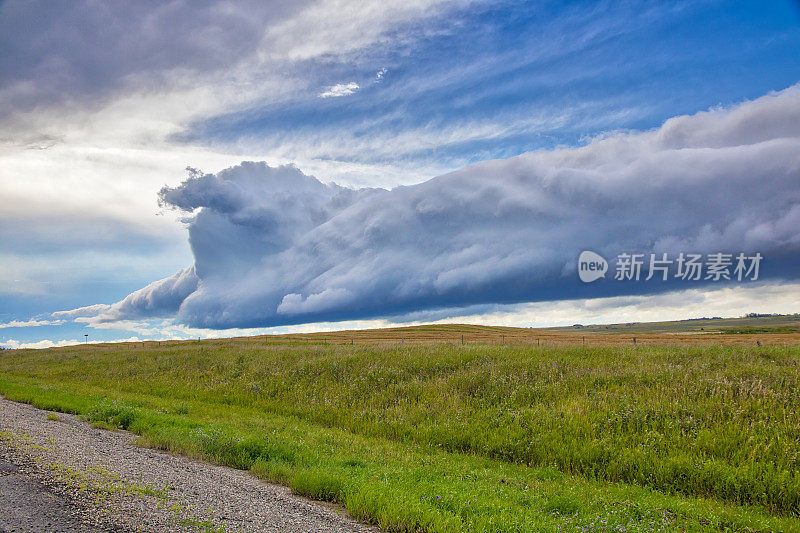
<point x="65" y="475"/>
<point x="28" y="505"/>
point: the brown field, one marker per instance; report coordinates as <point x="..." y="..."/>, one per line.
<point x="474" y="334"/>
<point x="613" y="335"/>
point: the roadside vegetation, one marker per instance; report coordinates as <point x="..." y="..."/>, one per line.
<point x="444" y="437"/>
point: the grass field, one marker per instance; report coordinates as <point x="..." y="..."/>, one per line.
<point x="516" y="430"/>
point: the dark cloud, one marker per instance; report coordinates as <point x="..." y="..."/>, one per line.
<point x="273" y="246"/>
<point x="83" y="51"/>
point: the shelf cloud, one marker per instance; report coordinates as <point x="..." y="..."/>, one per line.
<point x="273" y="246"/>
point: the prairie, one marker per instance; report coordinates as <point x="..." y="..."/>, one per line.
<point x="514" y="430"/>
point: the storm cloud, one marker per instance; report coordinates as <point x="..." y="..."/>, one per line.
<point x="56" y="52"/>
<point x="274" y="246"/>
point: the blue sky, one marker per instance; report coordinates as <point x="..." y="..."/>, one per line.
<point x="100" y="113"/>
<point x="534" y="75"/>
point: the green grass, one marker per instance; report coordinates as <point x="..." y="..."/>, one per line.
<point x="763" y="324"/>
<point x="473" y="438"/>
<point x="758" y="330"/>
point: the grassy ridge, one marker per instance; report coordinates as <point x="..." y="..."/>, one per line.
<point x="385" y="430"/>
<point x="774" y="324"/>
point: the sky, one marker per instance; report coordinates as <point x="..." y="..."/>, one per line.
<point x="209" y="169"/>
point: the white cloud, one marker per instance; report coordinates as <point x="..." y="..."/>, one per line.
<point x="674" y="305"/>
<point x="18" y="345"/>
<point x="30" y="323"/>
<point x="340" y="89"/>
<point x="165" y="329"/>
<point x="388" y="157"/>
<point x="339" y="29"/>
<point x="89" y="310"/>
<point x="46" y="343"/>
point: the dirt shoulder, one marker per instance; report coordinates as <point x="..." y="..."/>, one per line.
<point x="76" y="477"/>
<point x="27" y="503"/>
